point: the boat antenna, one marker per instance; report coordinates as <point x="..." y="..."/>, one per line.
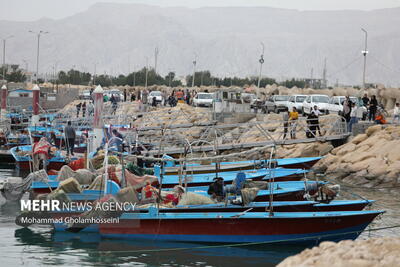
<point x="271" y="184"/>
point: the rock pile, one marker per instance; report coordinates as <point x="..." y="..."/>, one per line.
<point x="347" y="253"/>
<point x="368" y="160"/>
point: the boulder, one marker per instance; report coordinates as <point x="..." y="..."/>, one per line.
<point x="359" y="138"/>
<point x="373" y="129"/>
<point x="381" y="251"/>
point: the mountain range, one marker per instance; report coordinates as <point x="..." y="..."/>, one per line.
<point x="120" y="38"/>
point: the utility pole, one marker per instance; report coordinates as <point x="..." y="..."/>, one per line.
<point x="155" y="59"/>
<point x="261" y="60"/>
<point x="365" y="52"/>
<point x="94" y="75"/>
<point x="37" y="53"/>
<point x="325" y="85"/>
<point x="4" y="56"/>
<point x="147" y="71"/>
<point x="311" y="78"/>
<point x="194" y="68"/>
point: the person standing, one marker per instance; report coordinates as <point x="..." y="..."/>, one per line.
<point x="125" y="95"/>
<point x="78" y="109"/>
<point x="347" y="109"/>
<point x="365" y="100"/>
<point x="317" y="113"/>
<point x="70" y="135"/>
<point x="285" y="117"/>
<point x="396" y="113"/>
<point x="373" y="106"/>
<point x="353" y="116"/>
<point x="83" y="109"/>
<point x="293" y="117"/>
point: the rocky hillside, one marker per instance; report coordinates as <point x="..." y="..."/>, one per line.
<point x="225" y="39"/>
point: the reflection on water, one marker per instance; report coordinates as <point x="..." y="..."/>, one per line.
<point x="40" y="246"/>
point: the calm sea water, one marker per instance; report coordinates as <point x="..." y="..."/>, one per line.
<point x="39" y="246"/>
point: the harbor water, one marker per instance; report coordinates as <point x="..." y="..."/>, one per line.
<point x="38" y="246"/>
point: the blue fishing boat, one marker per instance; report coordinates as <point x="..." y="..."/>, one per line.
<point x="278" y="174"/>
<point x="244" y="227"/>
<point x="289" y="163"/>
<point x="23" y="160"/>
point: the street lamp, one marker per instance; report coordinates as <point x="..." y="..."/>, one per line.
<point x="37" y="55"/>
<point x="365" y="52"/>
<point x="4" y="56"/>
<point x="194" y="68"/>
<point x="261" y="60"/>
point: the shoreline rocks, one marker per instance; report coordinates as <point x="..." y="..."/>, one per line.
<point x="368" y="160"/>
<point x="360" y="253"/>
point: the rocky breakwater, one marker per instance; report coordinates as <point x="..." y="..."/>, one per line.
<point x="368" y="160"/>
<point x="360" y="253"/>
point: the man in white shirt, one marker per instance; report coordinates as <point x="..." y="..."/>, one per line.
<point x="396" y="113"/>
<point x="354" y="116"/>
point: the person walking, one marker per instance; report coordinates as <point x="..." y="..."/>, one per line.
<point x="373" y="106"/>
<point x="70" y="136"/>
<point x="293" y="117"/>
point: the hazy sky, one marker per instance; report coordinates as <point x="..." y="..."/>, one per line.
<point x="36" y="9"/>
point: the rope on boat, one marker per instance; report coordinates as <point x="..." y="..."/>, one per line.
<point x="241" y="244"/>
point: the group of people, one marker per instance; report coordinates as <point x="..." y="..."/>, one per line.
<point x="86" y="108"/>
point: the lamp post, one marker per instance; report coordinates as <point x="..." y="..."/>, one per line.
<point x="194" y="68"/>
<point x="94" y="74"/>
<point x="4" y="55"/>
<point x="147" y="72"/>
<point x="261" y="60"/>
<point x="38" y="34"/>
<point x="365" y="52"/>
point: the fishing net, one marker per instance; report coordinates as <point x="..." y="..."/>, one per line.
<point x="190" y="198"/>
<point x="83" y="176"/>
<point x="70" y="185"/>
<point x="248" y="195"/>
<point x="12" y="191"/>
<point x="138" y="170"/>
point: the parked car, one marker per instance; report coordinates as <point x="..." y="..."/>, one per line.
<point x="249" y="98"/>
<point x="276" y="103"/>
<point x="296" y="101"/>
<point x="203" y="100"/>
<point x="85" y="95"/>
<point x="321" y="101"/>
<point x="336" y="103"/>
<point x="158" y="95"/>
<point x="118" y="95"/>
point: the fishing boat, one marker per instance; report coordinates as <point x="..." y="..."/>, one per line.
<point x="304" y="163"/>
<point x="244" y="227"/>
<point x="23" y="160"/>
<point x="278" y="174"/>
